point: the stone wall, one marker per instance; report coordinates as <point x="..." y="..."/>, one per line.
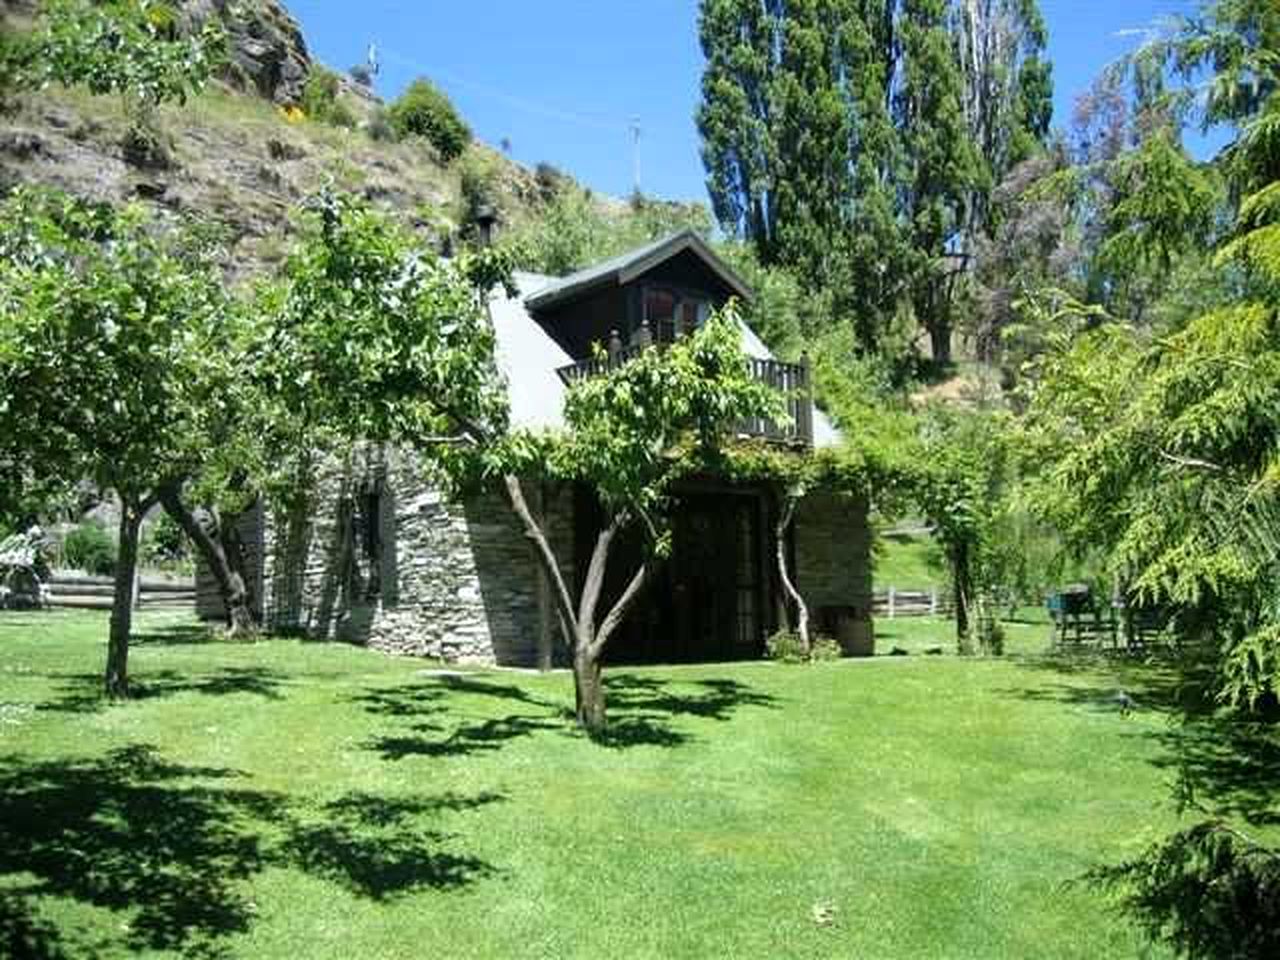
<point x="833" y="566"/>
<point x="450" y="580"/>
<point x="457" y="581"/>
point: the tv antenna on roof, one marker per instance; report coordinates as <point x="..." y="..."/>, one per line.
<point x="635" y="152"/>
<point x="372" y="58"/>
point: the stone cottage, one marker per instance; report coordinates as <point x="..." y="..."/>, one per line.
<point x="378" y="556"/>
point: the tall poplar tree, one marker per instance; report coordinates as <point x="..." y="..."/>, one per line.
<point x="855" y="141"/>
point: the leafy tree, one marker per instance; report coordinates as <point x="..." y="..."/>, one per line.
<point x="959" y="486"/>
<point x="1209" y="891"/>
<point x="629" y="435"/>
<point x="123" y="47"/>
<point x="373" y="337"/>
<point x="1169" y="466"/>
<point x="114" y="354"/>
<point x="423" y="110"/>
<point x="943" y="168"/>
<point x="855" y="141"/>
<point x="1008" y="87"/>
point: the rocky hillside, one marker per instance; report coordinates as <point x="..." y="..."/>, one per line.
<point x="240" y="159"/>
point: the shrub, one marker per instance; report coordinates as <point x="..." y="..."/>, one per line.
<point x="479" y="184"/>
<point x="379" y="126"/>
<point x="90" y="548"/>
<point x="361" y="75"/>
<point x="825" y="648"/>
<point x="321" y="100"/>
<point x="164" y="541"/>
<point x="423" y="110"/>
<point x="785" y="647"/>
<point x="551" y="180"/>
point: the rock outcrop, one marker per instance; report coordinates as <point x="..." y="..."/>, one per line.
<point x="268" y="53"/>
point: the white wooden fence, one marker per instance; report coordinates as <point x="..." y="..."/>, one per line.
<point x="893" y="603"/>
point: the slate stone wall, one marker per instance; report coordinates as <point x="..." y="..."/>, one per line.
<point x="833" y="566"/>
<point x="450" y="580"/>
<point x="457" y="581"/>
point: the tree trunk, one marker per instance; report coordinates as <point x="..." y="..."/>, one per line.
<point x="233" y="548"/>
<point x="940" y="341"/>
<point x="963" y="590"/>
<point x="588" y="688"/>
<point x="231" y="583"/>
<point x="580" y="625"/>
<point x="117" y="673"/>
<point x="802" y="609"/>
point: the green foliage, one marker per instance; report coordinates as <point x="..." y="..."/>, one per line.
<point x="785" y="646"/>
<point x="1209" y="891"/>
<point x="165" y="542"/>
<point x="123" y="47"/>
<point x="322" y="101"/>
<point x="825" y="649"/>
<point x="960" y="487"/>
<point x="856" y="142"/>
<point x="634" y="431"/>
<point x="90" y="548"/>
<point x="1163" y="453"/>
<point x="380" y="128"/>
<point x="1161" y="206"/>
<point x="423" y="110"/>
<point x="574" y="230"/>
<point x="479" y="171"/>
<point x="116" y="343"/>
<point x="371" y="336"/>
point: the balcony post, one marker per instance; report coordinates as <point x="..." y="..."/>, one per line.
<point x="804" y="418"/>
<point x="644" y="336"/>
<point x="615" y="345"/>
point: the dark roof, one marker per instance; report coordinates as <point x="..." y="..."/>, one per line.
<point x="626" y="267"/>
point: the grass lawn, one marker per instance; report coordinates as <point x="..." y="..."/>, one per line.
<point x="1030" y="633"/>
<point x="294" y="799"/>
<point x="908" y="561"/>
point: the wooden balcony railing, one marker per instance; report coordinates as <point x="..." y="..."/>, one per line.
<point x="791" y="379"/>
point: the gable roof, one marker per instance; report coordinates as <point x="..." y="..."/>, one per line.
<point x="529" y="357"/>
<point x="627" y="266"/>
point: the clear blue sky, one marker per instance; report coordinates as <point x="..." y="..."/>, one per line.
<point x="562" y="79"/>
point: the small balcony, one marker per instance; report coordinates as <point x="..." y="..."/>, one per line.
<point x="791" y="379"/>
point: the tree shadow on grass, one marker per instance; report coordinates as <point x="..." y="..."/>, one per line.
<point x="1162" y="680"/>
<point x="26" y="936"/>
<point x="82" y="692"/>
<point x="1223" y="763"/>
<point x="175" y="635"/>
<point x="168" y="846"/>
<point x="641" y="711"/>
<point x="433" y="725"/>
<point x="375" y="847"/>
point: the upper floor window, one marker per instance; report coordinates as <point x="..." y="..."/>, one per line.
<point x="673" y="313"/>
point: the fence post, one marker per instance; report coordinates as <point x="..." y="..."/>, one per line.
<point x="933" y="601"/>
<point x="892" y="601"/>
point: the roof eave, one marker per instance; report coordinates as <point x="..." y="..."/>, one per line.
<point x="675" y="245"/>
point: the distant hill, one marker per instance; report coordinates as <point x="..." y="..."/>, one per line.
<point x="241" y="159"/>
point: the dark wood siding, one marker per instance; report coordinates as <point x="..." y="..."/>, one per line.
<point x="578" y="325"/>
